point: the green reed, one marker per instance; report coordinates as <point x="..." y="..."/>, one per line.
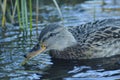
<point x="13" y="11"/>
<point x="30" y="10"/>
<point x="3" y="6"/>
<point x="20" y="9"/>
<point x="37" y="12"/>
<point x="94" y="12"/>
<point x="18" y="13"/>
<point x="58" y="8"/>
<point x="24" y="14"/>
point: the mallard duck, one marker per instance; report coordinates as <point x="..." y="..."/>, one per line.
<point x="97" y="39"/>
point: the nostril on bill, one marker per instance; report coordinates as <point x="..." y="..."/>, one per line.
<point x="36" y="47"/>
<point x="25" y="56"/>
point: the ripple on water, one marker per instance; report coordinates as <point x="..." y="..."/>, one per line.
<point x="95" y="75"/>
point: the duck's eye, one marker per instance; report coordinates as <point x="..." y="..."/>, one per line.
<point x="51" y="34"/>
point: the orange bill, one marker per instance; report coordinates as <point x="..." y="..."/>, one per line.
<point x="33" y="54"/>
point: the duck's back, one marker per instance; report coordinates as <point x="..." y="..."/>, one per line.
<point x="96" y="39"/>
<point x="83" y="31"/>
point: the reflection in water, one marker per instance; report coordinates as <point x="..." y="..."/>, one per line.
<point x="95" y="68"/>
<point x="15" y="43"/>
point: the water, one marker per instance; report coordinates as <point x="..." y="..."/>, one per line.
<point x="15" y="43"/>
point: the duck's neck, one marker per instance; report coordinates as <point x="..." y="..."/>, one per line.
<point x="72" y="52"/>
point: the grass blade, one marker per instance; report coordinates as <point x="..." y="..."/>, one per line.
<point x="4" y="11"/>
<point x="30" y="9"/>
<point x="37" y="12"/>
<point x="19" y="16"/>
<point x="23" y="15"/>
<point x="58" y="8"/>
<point x="26" y="15"/>
<point x="14" y="9"/>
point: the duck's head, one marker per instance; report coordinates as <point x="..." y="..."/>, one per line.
<point x="53" y="37"/>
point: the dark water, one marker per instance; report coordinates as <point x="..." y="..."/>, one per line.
<point x="15" y="43"/>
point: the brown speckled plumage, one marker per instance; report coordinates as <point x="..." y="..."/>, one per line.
<point x="96" y="39"/>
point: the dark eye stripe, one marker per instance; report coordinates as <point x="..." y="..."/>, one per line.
<point x="49" y="28"/>
<point x="51" y="35"/>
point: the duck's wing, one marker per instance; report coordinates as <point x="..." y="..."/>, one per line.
<point x="81" y="32"/>
<point x="105" y="42"/>
<point x="104" y="34"/>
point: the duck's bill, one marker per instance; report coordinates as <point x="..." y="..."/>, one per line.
<point x="35" y="51"/>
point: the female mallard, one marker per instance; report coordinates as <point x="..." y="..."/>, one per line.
<point x="92" y="40"/>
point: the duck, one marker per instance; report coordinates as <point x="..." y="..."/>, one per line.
<point x="96" y="39"/>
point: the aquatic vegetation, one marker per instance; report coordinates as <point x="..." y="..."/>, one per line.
<point x="23" y="10"/>
<point x="3" y="6"/>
